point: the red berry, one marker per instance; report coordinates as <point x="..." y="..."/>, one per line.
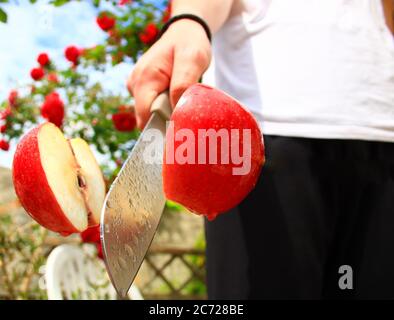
<point x="124" y="121"/>
<point x="149" y="35"/>
<point x="211" y="177"/>
<point x="12" y="98"/>
<point x="119" y="162"/>
<point x="53" y="109"/>
<point x="4" y="145"/>
<point x="43" y="59"/>
<point x="37" y="73"/>
<point x="113" y="33"/>
<point x="52" y="77"/>
<point x="3" y="128"/>
<point x="117" y="57"/>
<point x="72" y="54"/>
<point x="167" y="13"/>
<point x="123" y="2"/>
<point x="4" y="114"/>
<point x="114" y="36"/>
<point x="124" y="108"/>
<point x="105" y="22"/>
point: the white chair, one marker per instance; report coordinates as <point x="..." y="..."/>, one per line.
<point x="72" y="273"/>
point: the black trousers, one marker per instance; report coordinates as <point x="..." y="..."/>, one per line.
<point x="319" y="204"/>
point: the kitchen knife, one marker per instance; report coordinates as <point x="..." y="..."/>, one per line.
<point x="135" y="202"/>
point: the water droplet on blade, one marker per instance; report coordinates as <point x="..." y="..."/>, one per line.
<point x="129" y="250"/>
<point x="122" y="263"/>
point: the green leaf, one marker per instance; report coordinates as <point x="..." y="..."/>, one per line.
<point x="3" y="16"/>
<point x="58" y="3"/>
<point x="174" y="206"/>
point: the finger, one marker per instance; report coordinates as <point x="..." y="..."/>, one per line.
<point x="135" y="74"/>
<point x="129" y="83"/>
<point x="143" y="66"/>
<point x="188" y="67"/>
<point x="150" y="83"/>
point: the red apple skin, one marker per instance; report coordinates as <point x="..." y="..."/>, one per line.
<point x="32" y="188"/>
<point x="210" y="189"/>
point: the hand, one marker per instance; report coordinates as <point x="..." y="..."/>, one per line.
<point x="176" y="61"/>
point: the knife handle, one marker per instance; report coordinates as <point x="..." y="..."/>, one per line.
<point x="161" y="105"/>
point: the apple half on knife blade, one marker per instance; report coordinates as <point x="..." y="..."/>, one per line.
<point x="58" y="181"/>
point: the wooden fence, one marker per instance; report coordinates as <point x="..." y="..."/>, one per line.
<point x="159" y="260"/>
<point x="158" y="282"/>
<point x="191" y="260"/>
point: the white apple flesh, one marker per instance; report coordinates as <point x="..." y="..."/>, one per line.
<point x="57" y="181"/>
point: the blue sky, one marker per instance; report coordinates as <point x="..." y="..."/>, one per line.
<point x="32" y="29"/>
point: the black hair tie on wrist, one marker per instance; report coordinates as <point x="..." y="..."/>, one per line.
<point x="190" y="17"/>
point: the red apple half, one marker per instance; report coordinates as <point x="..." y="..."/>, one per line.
<point x="58" y="181"/>
<point x="210" y="188"/>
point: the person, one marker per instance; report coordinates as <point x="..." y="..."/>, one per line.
<point x="319" y="77"/>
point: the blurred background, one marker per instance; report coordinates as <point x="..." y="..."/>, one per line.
<point x="67" y="62"/>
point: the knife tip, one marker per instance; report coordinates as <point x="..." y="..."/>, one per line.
<point x="122" y="293"/>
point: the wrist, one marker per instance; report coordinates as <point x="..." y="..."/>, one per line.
<point x="188" y="20"/>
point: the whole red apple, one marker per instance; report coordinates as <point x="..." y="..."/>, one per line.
<point x="58" y="181"/>
<point x="214" y="152"/>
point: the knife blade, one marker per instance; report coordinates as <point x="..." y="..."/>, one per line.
<point x="134" y="204"/>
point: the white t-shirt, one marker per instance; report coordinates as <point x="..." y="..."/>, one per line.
<point x="309" y="68"/>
